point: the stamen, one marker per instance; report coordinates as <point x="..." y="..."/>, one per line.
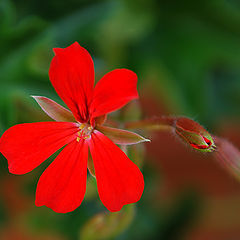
<point x="82" y="126"/>
<point x="85" y="132"/>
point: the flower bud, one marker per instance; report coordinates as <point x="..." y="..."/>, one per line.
<point x="194" y="134"/>
<point x="108" y="225"/>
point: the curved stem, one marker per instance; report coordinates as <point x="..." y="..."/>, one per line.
<point x="158" y="123"/>
<point x="228" y="156"/>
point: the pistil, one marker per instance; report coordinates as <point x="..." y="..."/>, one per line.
<point x="85" y="131"/>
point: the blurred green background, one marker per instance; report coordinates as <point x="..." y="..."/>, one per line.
<point x="187" y="56"/>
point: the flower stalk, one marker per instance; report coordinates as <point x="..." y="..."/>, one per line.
<point x="153" y="124"/>
<point x="228" y="156"/>
<point x="186" y="129"/>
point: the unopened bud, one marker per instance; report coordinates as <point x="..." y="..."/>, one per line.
<point x="194" y="134"/>
<point x="108" y="225"/>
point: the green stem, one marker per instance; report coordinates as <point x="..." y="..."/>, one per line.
<point x="157" y="123"/>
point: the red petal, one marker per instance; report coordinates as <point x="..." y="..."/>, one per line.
<point x="72" y="75"/>
<point x="27" y="145"/>
<point x="63" y="184"/>
<point x="119" y="180"/>
<point x="113" y="91"/>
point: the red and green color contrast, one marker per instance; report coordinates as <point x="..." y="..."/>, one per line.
<point x="63" y="184"/>
<point x="194" y="134"/>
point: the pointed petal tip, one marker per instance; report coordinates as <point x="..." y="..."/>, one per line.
<point x="121" y="136"/>
<point x="57" y="50"/>
<point x="54" y="110"/>
<point x="39" y="98"/>
<point x="144" y="140"/>
<point x="60" y="50"/>
<point x="76" y="44"/>
<point x="36" y="97"/>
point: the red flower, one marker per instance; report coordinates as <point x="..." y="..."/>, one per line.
<point x="63" y="184"/>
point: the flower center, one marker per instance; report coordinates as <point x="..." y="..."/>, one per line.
<point x="85" y="131"/>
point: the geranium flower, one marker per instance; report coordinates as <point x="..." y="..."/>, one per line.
<point x="63" y="184"/>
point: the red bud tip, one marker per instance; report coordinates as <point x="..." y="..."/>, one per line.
<point x="194" y="134"/>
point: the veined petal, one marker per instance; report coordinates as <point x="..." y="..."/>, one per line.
<point x="54" y="110"/>
<point x="113" y="91"/>
<point x="27" y="145"/>
<point x="120" y="136"/>
<point x="72" y="75"/>
<point x="62" y="186"/>
<point x="119" y="180"/>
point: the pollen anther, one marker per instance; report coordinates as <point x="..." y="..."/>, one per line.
<point x="85" y="132"/>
